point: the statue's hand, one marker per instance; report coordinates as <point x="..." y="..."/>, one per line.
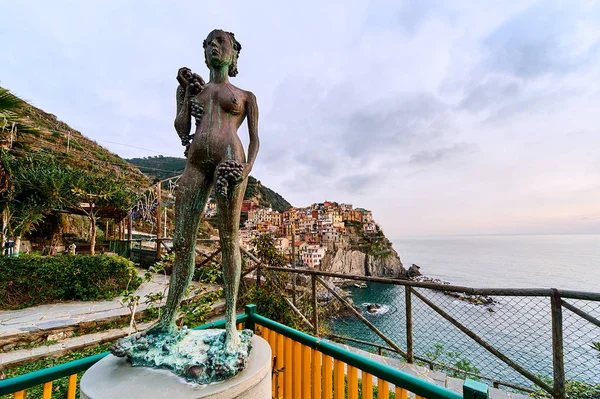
<point x="190" y="81"/>
<point x="196" y="85"/>
<point x="246" y="171"/>
<point x="184" y="75"/>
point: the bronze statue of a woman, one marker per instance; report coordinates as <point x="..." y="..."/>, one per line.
<point x="215" y="159"/>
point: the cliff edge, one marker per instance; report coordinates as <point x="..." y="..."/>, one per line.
<point x="365" y="253"/>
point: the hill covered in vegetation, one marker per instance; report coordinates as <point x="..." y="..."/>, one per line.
<point x="161" y="167"/>
<point x="48" y="168"/>
<point x="32" y="133"/>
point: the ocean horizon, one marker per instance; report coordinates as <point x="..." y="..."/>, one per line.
<point x="567" y="261"/>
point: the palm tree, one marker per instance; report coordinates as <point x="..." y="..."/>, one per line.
<point x="11" y="122"/>
<point x="9" y="105"/>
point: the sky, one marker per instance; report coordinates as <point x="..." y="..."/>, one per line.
<point x="443" y="117"/>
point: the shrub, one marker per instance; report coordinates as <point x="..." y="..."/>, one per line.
<point x="29" y="280"/>
<point x="574" y="389"/>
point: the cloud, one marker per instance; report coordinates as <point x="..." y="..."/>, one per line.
<point x="539" y="41"/>
<point x="393" y="124"/>
<point x="492" y="90"/>
<point x="429" y="157"/>
<point x="359" y="183"/>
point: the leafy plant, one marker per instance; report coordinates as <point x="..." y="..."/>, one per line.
<point x="195" y="313"/>
<point x="29" y="280"/>
<point x="574" y="389"/>
<point x="211" y="273"/>
<point x="453" y="360"/>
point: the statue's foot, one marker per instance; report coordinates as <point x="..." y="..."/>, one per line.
<point x="232" y="341"/>
<point x="162" y="327"/>
<point x="198" y="356"/>
<point x="158" y="336"/>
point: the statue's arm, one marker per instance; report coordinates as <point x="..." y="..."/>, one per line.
<point x="190" y="85"/>
<point x="252" y="115"/>
<point x="183" y="119"/>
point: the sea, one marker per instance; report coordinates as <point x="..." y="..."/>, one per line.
<point x="519" y="327"/>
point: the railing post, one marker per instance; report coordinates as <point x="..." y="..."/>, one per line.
<point x="474" y="390"/>
<point x="410" y="357"/>
<point x="314" y="304"/>
<point x="250" y="311"/>
<point x="557" y="346"/>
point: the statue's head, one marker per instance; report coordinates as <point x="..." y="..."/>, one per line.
<point x="220" y="49"/>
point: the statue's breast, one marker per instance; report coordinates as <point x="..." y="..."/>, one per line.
<point x="230" y="101"/>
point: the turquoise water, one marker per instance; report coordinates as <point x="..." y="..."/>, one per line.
<point x="518" y="326"/>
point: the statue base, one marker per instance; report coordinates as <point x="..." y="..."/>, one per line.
<point x="114" y="377"/>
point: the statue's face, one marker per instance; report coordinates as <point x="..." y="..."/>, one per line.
<point x="219" y="49"/>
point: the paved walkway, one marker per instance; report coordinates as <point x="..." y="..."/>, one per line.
<point x="16" y="357"/>
<point x="69" y="314"/>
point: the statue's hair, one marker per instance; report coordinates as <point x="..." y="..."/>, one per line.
<point x="237" y="47"/>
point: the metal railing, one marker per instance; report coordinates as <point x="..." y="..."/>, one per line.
<point x="518" y="338"/>
<point x="303" y="367"/>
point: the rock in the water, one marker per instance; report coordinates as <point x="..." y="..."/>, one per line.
<point x="198" y="356"/>
<point x="373" y="307"/>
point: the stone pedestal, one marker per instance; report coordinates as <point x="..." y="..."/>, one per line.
<point x="114" y="377"/>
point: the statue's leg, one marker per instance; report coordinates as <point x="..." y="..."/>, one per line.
<point x="229" y="208"/>
<point x="192" y="194"/>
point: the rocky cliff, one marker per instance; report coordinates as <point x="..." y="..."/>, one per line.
<point x="365" y="254"/>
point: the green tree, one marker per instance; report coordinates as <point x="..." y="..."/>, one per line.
<point x="29" y="190"/>
<point x="10" y="124"/>
<point x="91" y="193"/>
<point x="264" y="249"/>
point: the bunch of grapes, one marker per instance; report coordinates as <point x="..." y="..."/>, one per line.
<point x="196" y="109"/>
<point x="196" y="84"/>
<point x="228" y="173"/>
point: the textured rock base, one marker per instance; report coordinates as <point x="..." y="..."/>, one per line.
<point x="114" y="377"/>
<point x="198" y="356"/>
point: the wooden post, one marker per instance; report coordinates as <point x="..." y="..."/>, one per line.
<point x="129" y="234"/>
<point x="557" y="346"/>
<point x="121" y="230"/>
<point x="130" y="227"/>
<point x="158" y="220"/>
<point x="409" y="325"/>
<point x="106" y="232"/>
<point x="314" y="303"/>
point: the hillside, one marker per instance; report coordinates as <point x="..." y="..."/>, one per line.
<point x="161" y="167"/>
<point x="52" y="137"/>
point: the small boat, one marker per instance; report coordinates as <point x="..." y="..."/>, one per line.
<point x="360" y="285"/>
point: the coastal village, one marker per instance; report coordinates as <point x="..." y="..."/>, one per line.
<point x="302" y="234"/>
